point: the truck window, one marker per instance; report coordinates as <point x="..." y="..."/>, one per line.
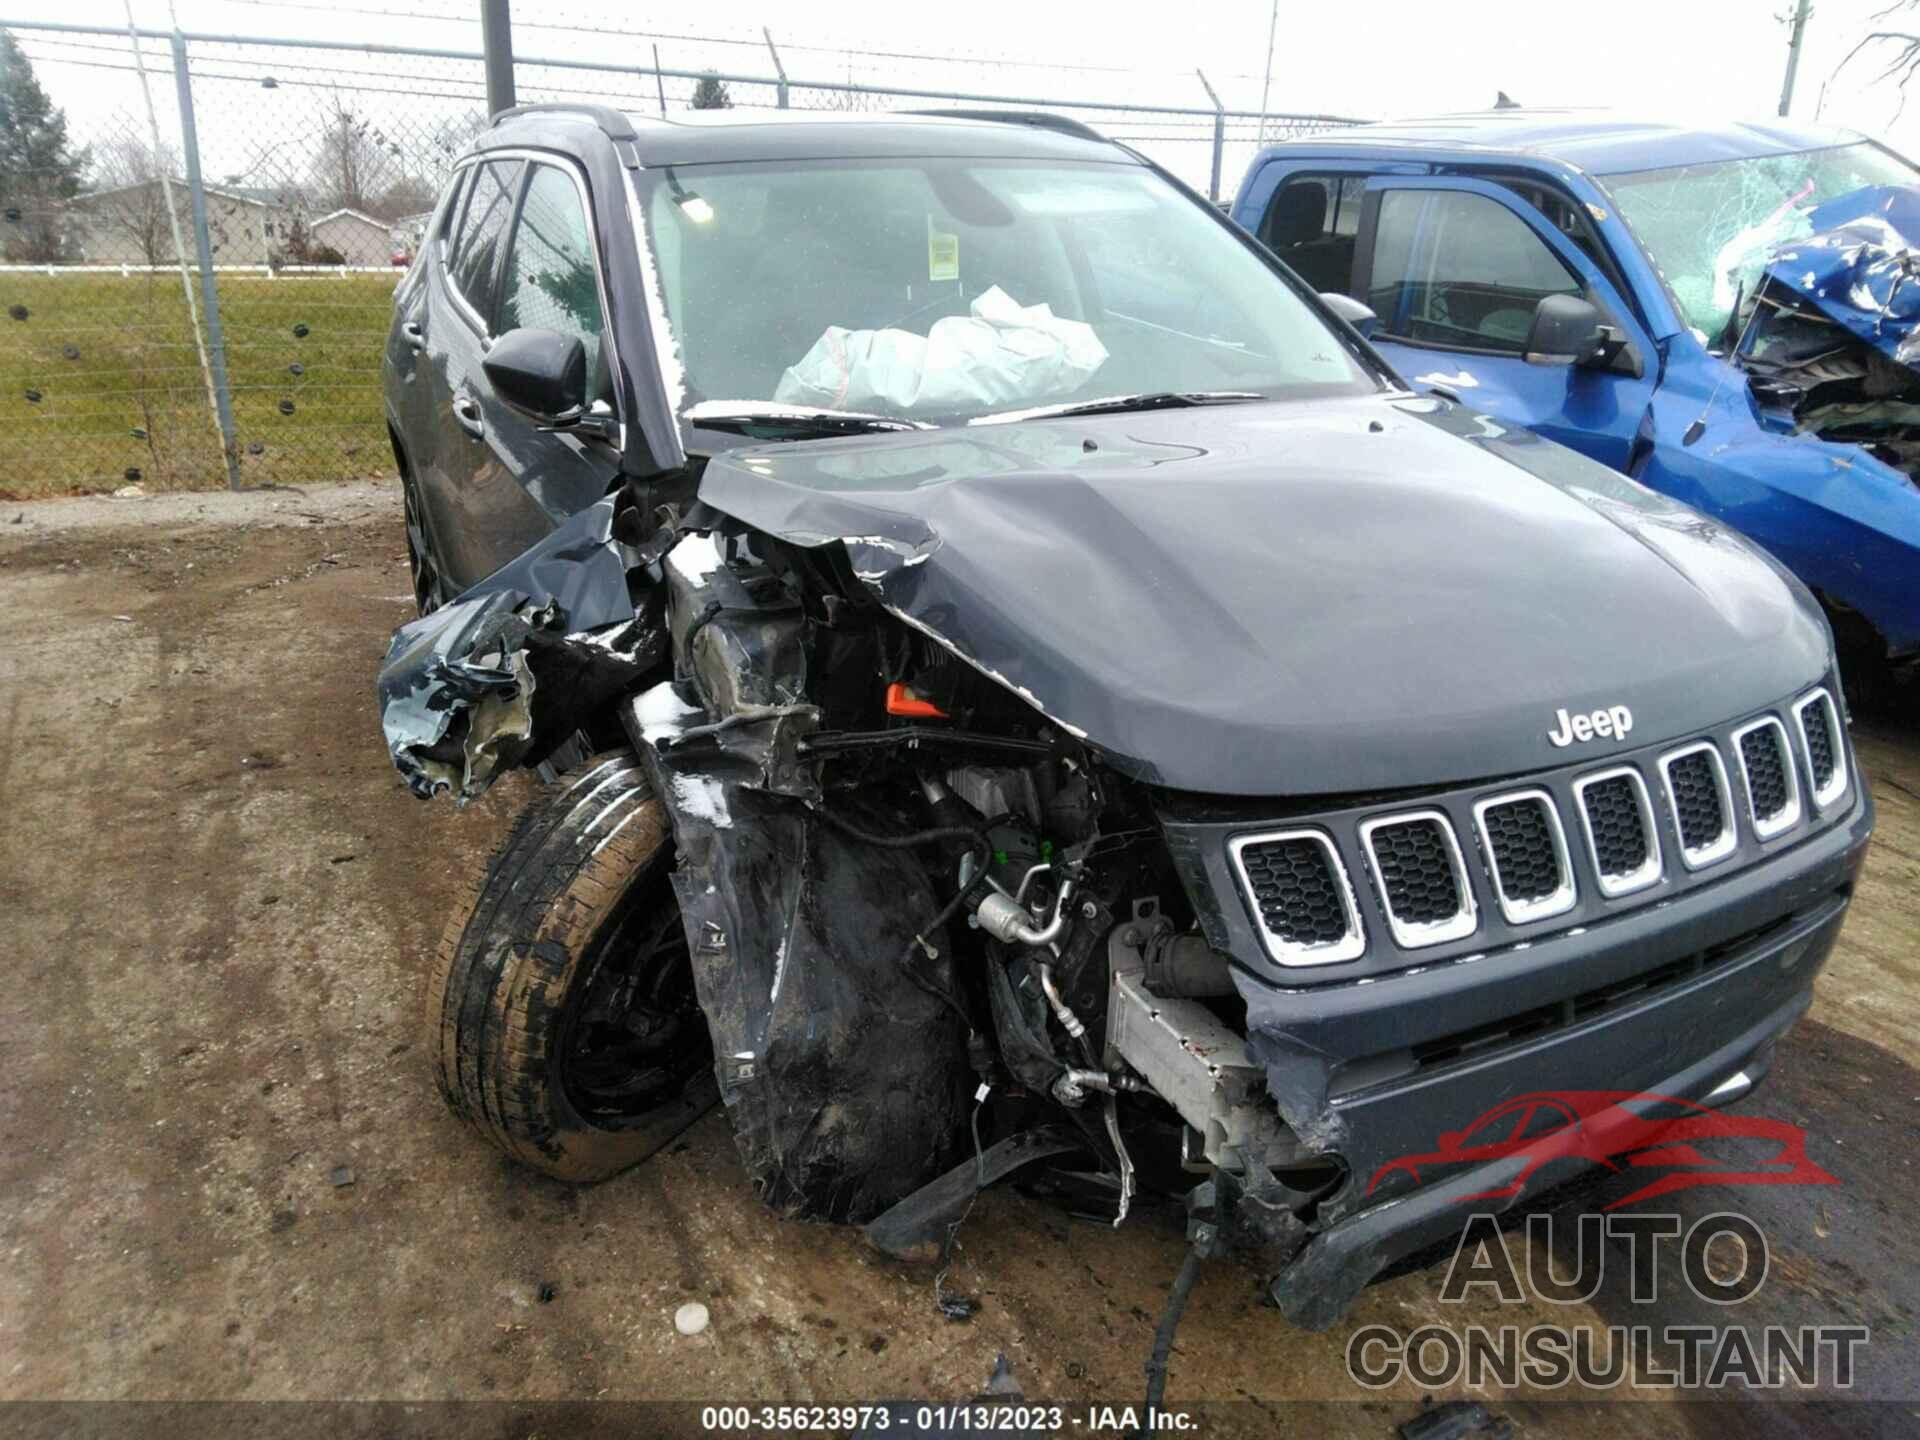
<point x="1311" y="223"/>
<point x="1459" y="270"/>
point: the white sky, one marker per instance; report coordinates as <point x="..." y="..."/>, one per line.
<point x="1681" y="58"/>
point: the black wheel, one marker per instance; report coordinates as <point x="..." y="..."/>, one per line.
<point x="561" y="1009"/>
<point x="429" y="590"/>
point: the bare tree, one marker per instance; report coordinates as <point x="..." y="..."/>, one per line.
<point x="1903" y="45"/>
<point x="130" y="199"/>
<point x="354" y="163"/>
<point x="408" y="195"/>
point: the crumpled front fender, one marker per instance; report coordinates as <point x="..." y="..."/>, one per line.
<point x="514" y="666"/>
<point x="1842" y="521"/>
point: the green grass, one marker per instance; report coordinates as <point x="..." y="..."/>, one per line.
<point x="120" y="394"/>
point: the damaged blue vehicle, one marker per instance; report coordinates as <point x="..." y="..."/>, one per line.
<point x="1726" y="314"/>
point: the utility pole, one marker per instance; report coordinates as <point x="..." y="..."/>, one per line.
<point x="496" y="38"/>
<point x="1800" y="12"/>
<point x="1266" y="85"/>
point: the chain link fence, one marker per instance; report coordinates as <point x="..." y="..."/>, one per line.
<point x="199" y="274"/>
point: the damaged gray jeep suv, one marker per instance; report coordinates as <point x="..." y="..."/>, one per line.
<point x="1025" y="687"/>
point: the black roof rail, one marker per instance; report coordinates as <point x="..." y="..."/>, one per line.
<point x="1039" y="119"/>
<point x="612" y="123"/>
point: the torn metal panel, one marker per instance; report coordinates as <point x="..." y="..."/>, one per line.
<point x="1833" y="334"/>
<point x="1860" y="268"/>
<point x="456" y="696"/>
<point x="918" y="1227"/>
<point x="845" y="1079"/>
<point x="517" y="664"/>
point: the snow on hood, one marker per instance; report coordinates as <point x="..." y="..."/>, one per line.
<point x="1861" y="267"/>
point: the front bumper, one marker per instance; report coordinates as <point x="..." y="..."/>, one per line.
<point x="1673" y="999"/>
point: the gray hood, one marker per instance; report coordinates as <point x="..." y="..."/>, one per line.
<point x="1292" y="599"/>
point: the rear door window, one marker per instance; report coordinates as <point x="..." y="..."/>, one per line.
<point x="448" y="210"/>
<point x="1311" y="223"/>
<point x="1459" y="270"/>
<point x="476" y="247"/>
<point x="552" y="282"/>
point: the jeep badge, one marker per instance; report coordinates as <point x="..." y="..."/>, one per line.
<point x="1608" y="722"/>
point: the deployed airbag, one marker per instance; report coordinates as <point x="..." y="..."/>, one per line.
<point x="1004" y="353"/>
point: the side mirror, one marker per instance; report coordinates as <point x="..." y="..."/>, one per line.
<point x="1566" y="330"/>
<point x="1351" y="311"/>
<point x="540" y="373"/>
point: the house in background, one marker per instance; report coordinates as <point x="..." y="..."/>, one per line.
<point x="410" y="233"/>
<point x="357" y="237"/>
<point x="127" y="225"/>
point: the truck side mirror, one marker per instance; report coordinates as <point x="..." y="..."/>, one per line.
<point x="1351" y="310"/>
<point x="1566" y="330"/>
<point x="540" y="373"/>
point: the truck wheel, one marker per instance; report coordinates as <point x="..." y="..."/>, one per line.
<point x="561" y="1012"/>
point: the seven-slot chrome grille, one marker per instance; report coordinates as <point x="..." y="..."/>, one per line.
<point x="1579" y="841"/>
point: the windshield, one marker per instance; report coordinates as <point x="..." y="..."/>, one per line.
<point x="946" y="290"/>
<point x="1709" y="227"/>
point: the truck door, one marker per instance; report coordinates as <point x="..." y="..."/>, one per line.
<point x="1454" y="269"/>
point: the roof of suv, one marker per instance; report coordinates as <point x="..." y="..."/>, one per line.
<point x="1600" y="142"/>
<point x="705" y="136"/>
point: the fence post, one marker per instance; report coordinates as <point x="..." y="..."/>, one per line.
<point x="1219" y="137"/>
<point x="779" y="69"/>
<point x="496" y="39"/>
<point x="203" y="250"/>
<point x="659" y="85"/>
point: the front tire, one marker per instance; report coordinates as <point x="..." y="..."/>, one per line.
<point x="429" y="590"/>
<point x="561" y="1012"/>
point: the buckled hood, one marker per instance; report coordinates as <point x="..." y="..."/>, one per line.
<point x="1292" y="599"/>
<point x="1861" y="267"/>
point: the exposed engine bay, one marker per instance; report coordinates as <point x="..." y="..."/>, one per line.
<point x="934" y="937"/>
<point x="996" y="832"/>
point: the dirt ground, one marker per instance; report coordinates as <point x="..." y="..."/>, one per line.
<point x="220" y="902"/>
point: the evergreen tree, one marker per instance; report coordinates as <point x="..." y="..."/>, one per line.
<point x="711" y="94"/>
<point x="39" y="168"/>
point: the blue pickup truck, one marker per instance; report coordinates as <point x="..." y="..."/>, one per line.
<point x="1731" y="315"/>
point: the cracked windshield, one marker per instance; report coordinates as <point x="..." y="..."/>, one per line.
<point x="944" y="290"/>
<point x="1710" y="227"/>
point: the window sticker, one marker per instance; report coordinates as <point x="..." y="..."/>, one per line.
<point x="943" y="254"/>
